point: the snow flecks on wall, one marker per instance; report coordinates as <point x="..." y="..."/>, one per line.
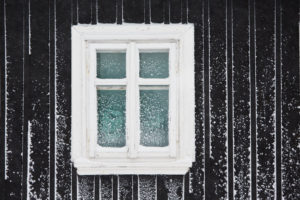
<point x="13" y="115"/>
<point x="218" y="102"/>
<point x="62" y="97"/>
<point x="38" y="185"/>
<point x="106" y="185"/>
<point x="290" y="101"/>
<point x="195" y="179"/>
<point x="125" y="187"/>
<point x="147" y="187"/>
<point x="170" y="187"/>
<point x="85" y="187"/>
<point x="35" y="104"/>
<point x="241" y="102"/>
<point x="265" y="103"/>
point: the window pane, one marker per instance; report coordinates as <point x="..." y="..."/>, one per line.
<point x="111" y="118"/>
<point x="154" y="65"/>
<point x="154" y="109"/>
<point x="111" y="65"/>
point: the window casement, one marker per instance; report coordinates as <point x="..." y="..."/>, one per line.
<point x="133" y="99"/>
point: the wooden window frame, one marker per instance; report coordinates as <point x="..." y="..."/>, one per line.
<point x="178" y="40"/>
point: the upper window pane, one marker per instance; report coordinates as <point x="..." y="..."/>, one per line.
<point x="111" y="118"/>
<point x="154" y="64"/>
<point x="111" y="65"/>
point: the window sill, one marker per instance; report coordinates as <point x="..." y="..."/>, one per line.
<point x="154" y="166"/>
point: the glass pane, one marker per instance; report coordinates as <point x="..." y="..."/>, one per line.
<point x="111" y="118"/>
<point x="154" y="65"/>
<point x="154" y="109"/>
<point x="111" y="65"/>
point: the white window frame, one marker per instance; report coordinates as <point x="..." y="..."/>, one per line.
<point x="178" y="40"/>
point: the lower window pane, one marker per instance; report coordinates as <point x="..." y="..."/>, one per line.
<point x="111" y="118"/>
<point x="154" y="125"/>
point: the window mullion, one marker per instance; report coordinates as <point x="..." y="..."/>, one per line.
<point x="132" y="100"/>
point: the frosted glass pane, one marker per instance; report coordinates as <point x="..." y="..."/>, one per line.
<point x="111" y="65"/>
<point x="154" y="126"/>
<point x="154" y="65"/>
<point x="111" y="118"/>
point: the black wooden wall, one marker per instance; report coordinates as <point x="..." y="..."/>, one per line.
<point x="247" y="93"/>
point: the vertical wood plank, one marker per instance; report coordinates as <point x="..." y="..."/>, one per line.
<point x="119" y="11"/>
<point x="86" y="187"/>
<point x="115" y="184"/>
<point x="97" y="188"/>
<point x="157" y="11"/>
<point x="147" y="187"/>
<point x="74" y="10"/>
<point x="175" y="10"/>
<point x="184" y="11"/>
<point x="135" y="187"/>
<point x="229" y="74"/>
<point x="147" y="14"/>
<point x="74" y="183"/>
<point x="2" y="97"/>
<point x="170" y="187"/>
<point x="278" y="88"/>
<point x="290" y="100"/>
<point x="125" y="187"/>
<point x="107" y="11"/>
<point x="14" y="99"/>
<point x="217" y="169"/>
<point x="166" y="11"/>
<point x="265" y="98"/>
<point x="62" y="73"/>
<point x="26" y="96"/>
<point x="133" y="11"/>
<point x="252" y="65"/>
<point x="52" y="65"/>
<point x="194" y="183"/>
<point x="84" y="11"/>
<point x="241" y="100"/>
<point x="94" y="12"/>
<point x="106" y="185"/>
<point x="39" y="99"/>
<point x="206" y="78"/>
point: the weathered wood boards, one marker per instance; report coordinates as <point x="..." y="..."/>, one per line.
<point x="247" y="91"/>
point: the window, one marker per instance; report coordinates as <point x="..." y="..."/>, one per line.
<point x="133" y="99"/>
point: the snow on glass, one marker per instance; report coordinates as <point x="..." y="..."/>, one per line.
<point x="154" y="109"/>
<point x="154" y="100"/>
<point x="154" y="65"/>
<point x="111" y="65"/>
<point x="111" y="118"/>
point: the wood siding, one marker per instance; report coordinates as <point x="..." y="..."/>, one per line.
<point x="247" y="93"/>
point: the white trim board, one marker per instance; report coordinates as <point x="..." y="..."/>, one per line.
<point x="178" y="40"/>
